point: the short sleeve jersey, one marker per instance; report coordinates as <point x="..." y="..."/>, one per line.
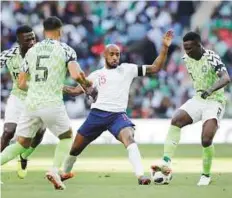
<point x="13" y="60"/>
<point x="204" y="74"/>
<point x="46" y="64"/>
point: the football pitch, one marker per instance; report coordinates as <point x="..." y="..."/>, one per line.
<point x="103" y="171"/>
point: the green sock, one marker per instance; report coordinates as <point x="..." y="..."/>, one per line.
<point x="27" y="153"/>
<point x="207" y="155"/>
<point x="11" y="152"/>
<point x="171" y="142"/>
<point x="62" y="149"/>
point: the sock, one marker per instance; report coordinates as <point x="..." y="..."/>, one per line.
<point x="61" y="152"/>
<point x="27" y="153"/>
<point x="69" y="162"/>
<point x="135" y="159"/>
<point x="11" y="152"/>
<point x="207" y="155"/>
<point x="171" y="142"/>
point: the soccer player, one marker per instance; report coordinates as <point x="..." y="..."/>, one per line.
<point x="45" y="66"/>
<point x="209" y="76"/>
<point x="13" y="59"/>
<point x="108" y="112"/>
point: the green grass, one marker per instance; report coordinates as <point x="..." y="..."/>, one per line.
<point x="113" y="184"/>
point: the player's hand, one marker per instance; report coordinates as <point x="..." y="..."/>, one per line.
<point x="205" y="94"/>
<point x="91" y="93"/>
<point x="167" y="39"/>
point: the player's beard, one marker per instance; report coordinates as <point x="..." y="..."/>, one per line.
<point x="112" y="65"/>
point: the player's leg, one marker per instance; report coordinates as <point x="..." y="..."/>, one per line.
<point x="188" y="113"/>
<point x="122" y="128"/>
<point x="92" y="128"/>
<point x="211" y="119"/>
<point x="57" y="121"/>
<point x="8" y="134"/>
<point x="13" y="111"/>
<point x="24" y="136"/>
<point x="79" y="144"/>
<point x="22" y="163"/>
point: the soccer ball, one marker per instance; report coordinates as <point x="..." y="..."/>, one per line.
<point x="159" y="178"/>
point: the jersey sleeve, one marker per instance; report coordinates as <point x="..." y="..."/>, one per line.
<point x="70" y="54"/>
<point x="6" y="56"/>
<point x="215" y="61"/>
<point x="134" y="70"/>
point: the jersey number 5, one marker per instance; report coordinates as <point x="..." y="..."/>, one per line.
<point x="44" y="69"/>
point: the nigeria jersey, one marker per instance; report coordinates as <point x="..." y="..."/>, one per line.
<point x="204" y="74"/>
<point x="13" y="60"/>
<point x="46" y="63"/>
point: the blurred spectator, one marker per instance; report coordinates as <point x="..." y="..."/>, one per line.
<point x="137" y="27"/>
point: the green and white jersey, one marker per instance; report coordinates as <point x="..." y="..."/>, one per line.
<point x="13" y="60"/>
<point x="204" y="74"/>
<point x="46" y="63"/>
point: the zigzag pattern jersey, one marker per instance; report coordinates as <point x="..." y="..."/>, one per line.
<point x="46" y="63"/>
<point x="13" y="60"/>
<point x="204" y="74"/>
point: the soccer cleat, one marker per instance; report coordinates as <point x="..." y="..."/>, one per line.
<point x="55" y="179"/>
<point x="66" y="176"/>
<point x="164" y="167"/>
<point x="143" y="180"/>
<point x="22" y="168"/>
<point x="204" y="180"/>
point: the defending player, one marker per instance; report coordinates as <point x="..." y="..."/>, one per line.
<point x="209" y="76"/>
<point x="46" y="64"/>
<point x="109" y="111"/>
<point x="13" y="59"/>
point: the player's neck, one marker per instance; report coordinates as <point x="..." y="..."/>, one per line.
<point x="53" y="38"/>
<point x="22" y="53"/>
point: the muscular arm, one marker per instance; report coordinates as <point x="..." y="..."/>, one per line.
<point x="73" y="91"/>
<point x="22" y="81"/>
<point x="77" y="74"/>
<point x="160" y="60"/>
<point x="224" y="79"/>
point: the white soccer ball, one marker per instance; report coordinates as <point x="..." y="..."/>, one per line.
<point x="159" y="178"/>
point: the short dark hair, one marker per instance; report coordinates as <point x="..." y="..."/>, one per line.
<point x="23" y="29"/>
<point x="192" y="36"/>
<point x="52" y="23"/>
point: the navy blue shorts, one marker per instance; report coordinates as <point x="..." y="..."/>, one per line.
<point x="99" y="121"/>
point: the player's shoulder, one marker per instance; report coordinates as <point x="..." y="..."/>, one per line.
<point x="212" y="57"/>
<point x="127" y="65"/>
<point x="211" y="53"/>
<point x="184" y="57"/>
<point x="65" y="47"/>
<point x="7" y="55"/>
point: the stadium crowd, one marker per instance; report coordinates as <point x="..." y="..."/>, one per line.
<point x="137" y="27"/>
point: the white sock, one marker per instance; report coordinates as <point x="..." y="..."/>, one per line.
<point x="69" y="162"/>
<point x="135" y="159"/>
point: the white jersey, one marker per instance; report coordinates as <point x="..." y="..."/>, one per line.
<point x="113" y="86"/>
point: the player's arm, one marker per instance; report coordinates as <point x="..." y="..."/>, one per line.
<point x="22" y="81"/>
<point x="73" y="91"/>
<point x="224" y="79"/>
<point x="23" y="76"/>
<point x="160" y="60"/>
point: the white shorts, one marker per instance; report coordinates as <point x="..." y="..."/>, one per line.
<point x="200" y="109"/>
<point x="55" y="119"/>
<point x="14" y="109"/>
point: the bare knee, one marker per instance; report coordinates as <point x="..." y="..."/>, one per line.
<point x="9" y="131"/>
<point x="209" y="130"/>
<point x="206" y="141"/>
<point x="181" y="119"/>
<point x="38" y="138"/>
<point x="65" y="135"/>
<point x="126" y="136"/>
<point x="79" y="144"/>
